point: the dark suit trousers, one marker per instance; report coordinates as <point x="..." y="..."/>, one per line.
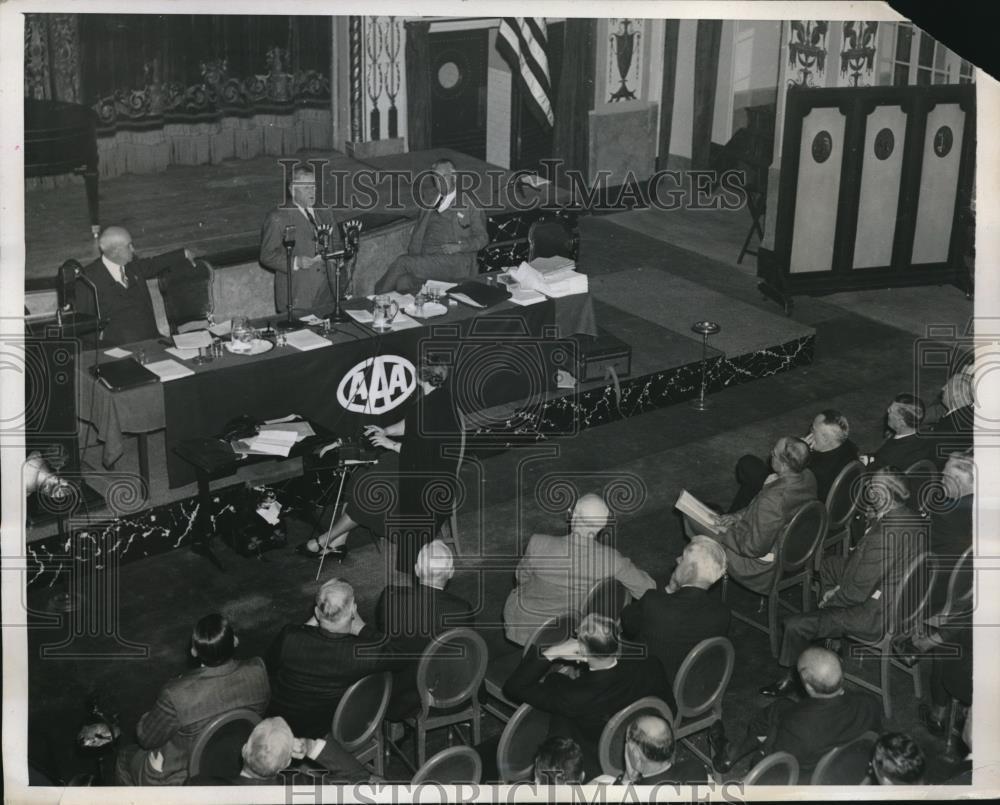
<point x="751" y="472"/>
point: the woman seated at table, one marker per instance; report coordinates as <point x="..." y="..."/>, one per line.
<point x="419" y="460"/>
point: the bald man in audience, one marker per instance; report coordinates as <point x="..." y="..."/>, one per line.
<point x="651" y="757"/>
<point x="749" y="535"/>
<point x="556" y="573"/>
<point x="673" y="621"/>
<point x="311" y="665"/>
<point x="119" y="277"/>
<point x="829" y="716"/>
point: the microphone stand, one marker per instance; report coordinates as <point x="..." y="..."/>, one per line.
<point x="351" y="232"/>
<point x="101" y="323"/>
<point x="288" y="241"/>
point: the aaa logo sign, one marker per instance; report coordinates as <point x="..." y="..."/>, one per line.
<point x="377" y="385"/>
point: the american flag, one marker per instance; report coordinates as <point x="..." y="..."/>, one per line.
<point x="522" y="42"/>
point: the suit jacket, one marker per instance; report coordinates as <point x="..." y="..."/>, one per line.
<point x="554" y="576"/>
<point x="128" y="311"/>
<point x="464" y="222"/>
<point x="752" y="536"/>
<point x="952" y="433"/>
<point x="185" y="706"/>
<point x="902" y="453"/>
<point x="581" y="707"/>
<point x="310" y="286"/>
<point x="311" y="669"/>
<point x="826" y="465"/>
<point x="671" y="624"/>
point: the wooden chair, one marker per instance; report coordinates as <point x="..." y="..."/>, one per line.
<point x="552" y="237"/>
<point x="357" y="722"/>
<point x="452" y="522"/>
<point x="611" y="748"/>
<point x="846" y="764"/>
<point x="699" y="686"/>
<point x="498" y="671"/>
<point x="778" y="768"/>
<point x="841" y="506"/>
<point x="959" y="600"/>
<point x="793" y="565"/>
<point x="607" y="597"/>
<point x="448" y="678"/>
<point x="519" y="742"/>
<point x="217" y="751"/>
<point x="187" y="295"/>
<point x="451" y="766"/>
<point x="906" y="616"/>
<point x="923" y="479"/>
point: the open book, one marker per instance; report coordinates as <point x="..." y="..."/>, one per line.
<point x="690" y="505"/>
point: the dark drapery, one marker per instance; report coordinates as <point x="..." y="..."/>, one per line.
<point x="671" y="28"/>
<point x="575" y="95"/>
<point x="52" y="57"/>
<point x="706" y="73"/>
<point x="418" y="85"/>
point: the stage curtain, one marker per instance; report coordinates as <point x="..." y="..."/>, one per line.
<point x="418" y="85"/>
<point x="575" y="95"/>
<point x="706" y="73"/>
<point x="671" y="28"/>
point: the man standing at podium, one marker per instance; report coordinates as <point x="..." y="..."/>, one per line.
<point x="312" y="289"/>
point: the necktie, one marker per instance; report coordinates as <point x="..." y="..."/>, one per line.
<point x="124" y="277"/>
<point x="311" y="217"/>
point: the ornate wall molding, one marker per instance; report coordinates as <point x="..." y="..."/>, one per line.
<point x="625" y="55"/>
<point x="807" y="51"/>
<point x="859" y="40"/>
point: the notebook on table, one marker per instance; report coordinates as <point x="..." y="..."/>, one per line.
<point x="122" y="374"/>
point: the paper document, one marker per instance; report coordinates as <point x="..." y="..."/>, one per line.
<point x="550" y="265"/>
<point x="221" y="329"/>
<point x="276" y="420"/>
<point x="525" y="297"/>
<point x="361" y="316"/>
<point x="466" y="300"/>
<point x="310" y="319"/>
<point x="199" y="338"/>
<point x="116" y="352"/>
<point x="403" y="322"/>
<point x="302" y="430"/>
<point x="440" y="286"/>
<point x="169" y="370"/>
<point x="267" y="443"/>
<point x="690" y="505"/>
<point x="305" y="340"/>
<point x="183" y="354"/>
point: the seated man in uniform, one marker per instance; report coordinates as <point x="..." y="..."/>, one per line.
<point x="445" y="240"/>
<point x="119" y="278"/>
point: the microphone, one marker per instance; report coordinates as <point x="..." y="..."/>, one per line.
<point x="288" y="237"/>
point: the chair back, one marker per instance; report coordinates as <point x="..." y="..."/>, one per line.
<point x="607" y="597"/>
<point x="360" y="712"/>
<point x="778" y="768"/>
<point x="961" y="584"/>
<point x="801" y="538"/>
<point x="844" y="495"/>
<point x="703" y="677"/>
<point x="217" y="751"/>
<point x="923" y="483"/>
<point x="846" y="764"/>
<point x="519" y="742"/>
<point x="911" y="598"/>
<point x="451" y="766"/>
<point x="552" y="237"/>
<point x="611" y="748"/>
<point x="451" y="669"/>
<point x="187" y="293"/>
<point x="554" y="630"/>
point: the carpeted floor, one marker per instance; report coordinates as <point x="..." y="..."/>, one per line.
<point x="860" y="365"/>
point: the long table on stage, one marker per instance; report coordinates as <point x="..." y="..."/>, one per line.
<point x="499" y="355"/>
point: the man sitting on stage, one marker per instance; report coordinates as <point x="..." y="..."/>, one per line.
<point x="312" y="288"/>
<point x="445" y="240"/>
<point x="119" y="278"/>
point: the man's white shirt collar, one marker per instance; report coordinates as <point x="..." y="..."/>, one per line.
<point x="444" y="202"/>
<point x="116" y="271"/>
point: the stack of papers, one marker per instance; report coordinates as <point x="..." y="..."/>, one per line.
<point x="552" y="276"/>
<point x="268" y="443"/>
<point x="305" y="340"/>
<point x="195" y="340"/>
<point x="302" y="430"/>
<point x="117" y="352"/>
<point x="183" y="354"/>
<point x="168" y="370"/>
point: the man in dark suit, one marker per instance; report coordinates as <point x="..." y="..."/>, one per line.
<point x="412" y="616"/>
<point x="119" y="278"/>
<point x="953" y="432"/>
<point x="951" y="523"/>
<point x="312" y="281"/>
<point x="187" y="703"/>
<point x="829" y="716"/>
<point x="444" y="242"/>
<point x="905" y="446"/>
<point x="609" y="681"/>
<point x="670" y="623"/>
<point x="651" y="757"/>
<point x="313" y="664"/>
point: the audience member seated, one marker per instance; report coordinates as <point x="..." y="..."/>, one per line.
<point x="951" y="675"/>
<point x="187" y="703"/>
<point x="271" y="748"/>
<point x="313" y="664"/>
<point x="830" y="450"/>
<point x="119" y="278"/>
<point x="609" y="680"/>
<point x="749" y="534"/>
<point x="311" y="287"/>
<point x="444" y="242"/>
<point x="651" y="757"/>
<point x="412" y="616"/>
<point x="672" y="622"/>
<point x="858" y="588"/>
<point x="952" y="433"/>
<point x="897" y="760"/>
<point x="951" y="519"/>
<point x="829" y="716"/>
<point x="556" y="573"/>
<point x="559" y="762"/>
<point x="904" y="447"/>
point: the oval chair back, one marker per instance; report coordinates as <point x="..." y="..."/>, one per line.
<point x="778" y="768"/>
<point x="458" y="491"/>
<point x="361" y="710"/>
<point x="800" y="539"/>
<point x="554" y="630"/>
<point x="611" y="748"/>
<point x="607" y="597"/>
<point x="456" y="764"/>
<point x="846" y="764"/>
<point x="703" y="678"/>
<point x="551" y="237"/>
<point x="911" y="598"/>
<point x="451" y="669"/>
<point x="844" y="495"/>
<point x="217" y="751"/>
<point x="526" y="730"/>
<point x="187" y="293"/>
<point x="961" y="586"/>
